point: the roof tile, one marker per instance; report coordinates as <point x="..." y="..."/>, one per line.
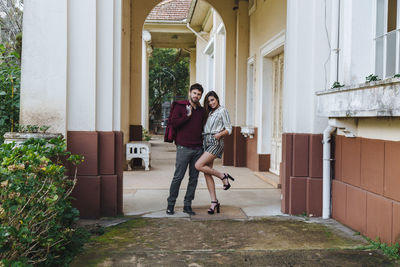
<point x="172" y="10"/>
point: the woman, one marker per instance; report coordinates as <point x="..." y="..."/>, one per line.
<point x="217" y="126"/>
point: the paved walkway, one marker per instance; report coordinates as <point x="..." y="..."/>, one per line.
<point x="146" y="192"/>
<point x="277" y="241"/>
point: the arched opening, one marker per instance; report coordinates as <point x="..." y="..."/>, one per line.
<point x="204" y="36"/>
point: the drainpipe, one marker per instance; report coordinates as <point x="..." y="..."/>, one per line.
<point x="326" y="174"/>
<point x="196" y="33"/>
<point x="349" y="131"/>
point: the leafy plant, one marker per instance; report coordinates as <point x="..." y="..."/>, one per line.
<point x="37" y="221"/>
<point x="396" y="76"/>
<point x="392" y="252"/>
<point x="32" y="128"/>
<point x="371" y="78"/>
<point x="337" y="85"/>
<point x="146" y="135"/>
<point x="10" y="73"/>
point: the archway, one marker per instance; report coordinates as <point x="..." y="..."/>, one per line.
<point x="147" y="191"/>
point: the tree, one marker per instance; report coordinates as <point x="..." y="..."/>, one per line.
<point x="168" y="77"/>
<point x="11" y="13"/>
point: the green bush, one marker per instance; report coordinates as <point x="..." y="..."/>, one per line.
<point x="10" y="76"/>
<point x="37" y="221"/>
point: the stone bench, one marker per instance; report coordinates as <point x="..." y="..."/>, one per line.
<point x="138" y="149"/>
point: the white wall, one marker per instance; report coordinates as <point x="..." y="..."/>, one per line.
<point x="210" y="71"/>
<point x="82" y="67"/>
<point x="356" y="41"/>
<point x="44" y="64"/>
<point x="201" y="63"/>
<point x="105" y="65"/>
<point x="306" y="52"/>
<point x="71" y="74"/>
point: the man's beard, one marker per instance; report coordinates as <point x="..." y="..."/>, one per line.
<point x="194" y="100"/>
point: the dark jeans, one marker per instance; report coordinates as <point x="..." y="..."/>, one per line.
<point x="184" y="156"/>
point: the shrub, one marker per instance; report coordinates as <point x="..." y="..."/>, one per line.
<point x="37" y="221"/>
<point x="10" y="74"/>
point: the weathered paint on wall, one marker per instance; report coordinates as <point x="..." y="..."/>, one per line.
<point x="44" y="65"/>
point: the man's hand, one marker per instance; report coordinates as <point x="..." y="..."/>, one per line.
<point x="189" y="110"/>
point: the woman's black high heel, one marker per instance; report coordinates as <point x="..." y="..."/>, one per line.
<point x="216" y="207"/>
<point x="227" y="177"/>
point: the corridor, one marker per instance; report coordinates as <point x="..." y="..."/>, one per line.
<point x="146" y="192"/>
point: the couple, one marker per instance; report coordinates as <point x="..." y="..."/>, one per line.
<point x="199" y="141"/>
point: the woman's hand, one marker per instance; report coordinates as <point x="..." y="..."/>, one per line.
<point x="218" y="135"/>
<point x="189" y="110"/>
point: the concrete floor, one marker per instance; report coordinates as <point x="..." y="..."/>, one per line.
<point x="146" y="192"/>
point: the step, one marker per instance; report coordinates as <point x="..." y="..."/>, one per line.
<point x="270" y="178"/>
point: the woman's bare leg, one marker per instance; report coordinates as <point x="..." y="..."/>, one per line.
<point x="210" y="184"/>
<point x="202" y="165"/>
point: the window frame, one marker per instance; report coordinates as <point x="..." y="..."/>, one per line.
<point x="384" y="36"/>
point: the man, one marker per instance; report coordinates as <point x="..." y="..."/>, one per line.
<point x="188" y="118"/>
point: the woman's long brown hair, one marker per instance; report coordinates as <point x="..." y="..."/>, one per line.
<point x="205" y="104"/>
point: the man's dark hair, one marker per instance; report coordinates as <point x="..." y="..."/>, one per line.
<point x="196" y="86"/>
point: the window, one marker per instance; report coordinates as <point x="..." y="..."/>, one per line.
<point x="387" y="38"/>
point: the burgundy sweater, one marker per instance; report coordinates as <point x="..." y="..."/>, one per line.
<point x="188" y="129"/>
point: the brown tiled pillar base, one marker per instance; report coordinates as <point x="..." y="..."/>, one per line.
<point x="87" y="197"/>
<point x="366" y="187"/>
<point x="98" y="191"/>
<point x="119" y="170"/>
<point x="109" y="195"/>
<point x="301" y="174"/>
<point x="255" y="161"/>
<point x="135" y="133"/>
<point x="239" y="147"/>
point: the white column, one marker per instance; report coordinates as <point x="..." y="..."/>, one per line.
<point x="146" y="38"/>
<point x="117" y="64"/>
<point x="81" y="65"/>
<point x="242" y="53"/>
<point x="44" y="64"/>
<point x="105" y="65"/>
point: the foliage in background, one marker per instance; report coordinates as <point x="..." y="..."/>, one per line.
<point x="10" y="77"/>
<point x="37" y="221"/>
<point x="146" y="135"/>
<point x="11" y="13"/>
<point x="168" y="77"/>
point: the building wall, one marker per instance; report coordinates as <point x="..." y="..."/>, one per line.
<point x="216" y="43"/>
<point x="366" y="187"/>
<point x="268" y="20"/>
<point x="44" y="65"/>
<point x="73" y="83"/>
<point x="384" y="128"/>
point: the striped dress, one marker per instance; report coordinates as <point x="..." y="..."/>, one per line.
<point x="217" y="121"/>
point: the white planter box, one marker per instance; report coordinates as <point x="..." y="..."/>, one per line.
<point x="374" y="99"/>
<point x="19" y="138"/>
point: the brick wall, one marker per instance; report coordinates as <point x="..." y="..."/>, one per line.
<point x="366" y="187"/>
<point x="301" y="174"/>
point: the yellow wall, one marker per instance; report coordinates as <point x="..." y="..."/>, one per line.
<point x="268" y="20"/>
<point x="140" y="10"/>
<point x="377" y="128"/>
